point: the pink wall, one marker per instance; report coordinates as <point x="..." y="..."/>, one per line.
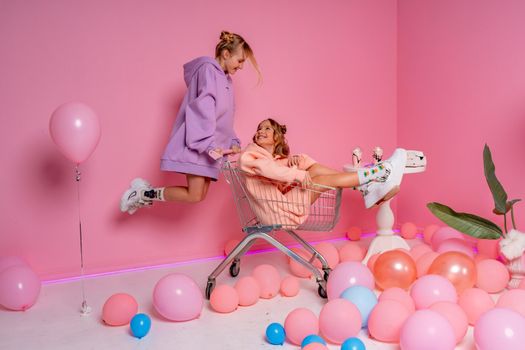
<point x="329" y="73"/>
<point x="461" y="84"/>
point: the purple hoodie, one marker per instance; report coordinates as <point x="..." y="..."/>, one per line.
<point x="204" y="121"/>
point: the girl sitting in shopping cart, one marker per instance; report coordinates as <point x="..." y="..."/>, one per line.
<point x="269" y="157"/>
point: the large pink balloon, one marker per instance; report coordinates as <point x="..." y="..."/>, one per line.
<point x="177" y="297"/>
<point x="339" y="320"/>
<point x="348" y="274"/>
<point x="427" y="329"/>
<point x="430" y="289"/>
<point x="500" y="328"/>
<point x="299" y="323"/>
<point x="19" y="287"/>
<point x="119" y="309"/>
<point x="75" y="129"/>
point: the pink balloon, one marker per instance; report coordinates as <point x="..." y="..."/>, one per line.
<point x="351" y="251"/>
<point x="456" y="245"/>
<point x="400" y="295"/>
<point x="419" y="250"/>
<point x="299" y="323"/>
<point x="455" y="316"/>
<point x="224" y="299"/>
<point x="269" y="280"/>
<point x="354" y="233"/>
<point x="339" y="319"/>
<point x="178" y="298"/>
<point x="315" y="346"/>
<point x="492" y="275"/>
<point x="329" y="252"/>
<point x="248" y="290"/>
<point x="290" y="286"/>
<point x="428" y="232"/>
<point x="513" y="299"/>
<point x="386" y="319"/>
<point x="408" y="230"/>
<point x="444" y="233"/>
<point x="500" y="328"/>
<point x="488" y="247"/>
<point x="296" y="268"/>
<point x="8" y="261"/>
<point x="75" y="129"/>
<point x="19" y="288"/>
<point x="119" y="309"/>
<point x="372" y="261"/>
<point x="475" y="302"/>
<point x="427" y="329"/>
<point x="424" y="262"/>
<point x="348" y="274"/>
<point x="430" y="289"/>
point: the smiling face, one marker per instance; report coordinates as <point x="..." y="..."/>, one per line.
<point x="231" y="62"/>
<point x="264" y="136"/>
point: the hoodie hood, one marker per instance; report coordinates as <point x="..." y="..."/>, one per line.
<point x="192" y="66"/>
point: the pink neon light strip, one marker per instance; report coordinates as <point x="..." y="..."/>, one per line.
<point x="182" y="263"/>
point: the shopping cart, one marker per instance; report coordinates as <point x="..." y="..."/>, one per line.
<point x="265" y="206"/>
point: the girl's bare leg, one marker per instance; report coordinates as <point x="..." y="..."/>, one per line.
<point x="343" y="180"/>
<point x="338" y="179"/>
<point x="195" y="191"/>
<point x="320" y="169"/>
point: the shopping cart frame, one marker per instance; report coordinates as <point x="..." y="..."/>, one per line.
<point x="321" y="215"/>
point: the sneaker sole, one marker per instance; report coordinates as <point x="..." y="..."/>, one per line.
<point x="391" y="194"/>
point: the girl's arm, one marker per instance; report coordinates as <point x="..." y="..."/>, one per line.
<point x="200" y="113"/>
<point x="270" y="169"/>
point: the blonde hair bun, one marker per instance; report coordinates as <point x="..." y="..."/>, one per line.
<point x="226" y="36"/>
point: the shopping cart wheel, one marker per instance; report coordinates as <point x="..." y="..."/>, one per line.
<point x="322" y="292"/>
<point x="326" y="273"/>
<point x="209" y="288"/>
<point x="235" y="268"/>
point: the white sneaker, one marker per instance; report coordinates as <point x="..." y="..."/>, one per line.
<point x="132" y="200"/>
<point x="380" y="191"/>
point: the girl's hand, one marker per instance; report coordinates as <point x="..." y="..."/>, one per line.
<point x="307" y="182"/>
<point x="295" y="160"/>
<point x="236" y="149"/>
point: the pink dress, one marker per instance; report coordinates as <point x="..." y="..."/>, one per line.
<point x="275" y="200"/>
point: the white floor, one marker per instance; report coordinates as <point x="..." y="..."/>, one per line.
<point x="54" y="322"/>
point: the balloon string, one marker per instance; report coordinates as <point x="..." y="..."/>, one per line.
<point x="84" y="302"/>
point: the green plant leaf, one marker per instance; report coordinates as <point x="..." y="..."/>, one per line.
<point x="512" y="202"/>
<point x="469" y="224"/>
<point x="498" y="193"/>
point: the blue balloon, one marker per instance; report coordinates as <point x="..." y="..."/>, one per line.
<point x="353" y="344"/>
<point x="312" y="338"/>
<point x="363" y="298"/>
<point x="140" y="325"/>
<point x="275" y="334"/>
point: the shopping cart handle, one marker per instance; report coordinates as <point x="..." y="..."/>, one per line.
<point x="216" y="155"/>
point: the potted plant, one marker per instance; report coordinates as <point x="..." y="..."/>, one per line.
<point x="512" y="243"/>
